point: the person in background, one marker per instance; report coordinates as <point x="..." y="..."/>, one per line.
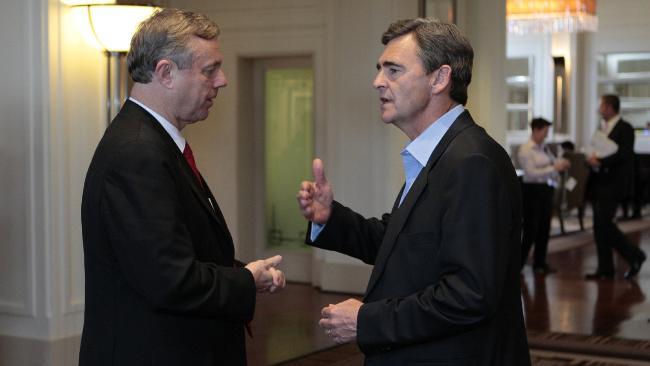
<point x="608" y="185"/>
<point x="162" y="283"/>
<point x="541" y="176"/>
<point x="568" y="146"/>
<point x="445" y="288"/>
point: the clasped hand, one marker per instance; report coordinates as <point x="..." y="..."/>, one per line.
<point x="340" y="320"/>
<point x="266" y="274"/>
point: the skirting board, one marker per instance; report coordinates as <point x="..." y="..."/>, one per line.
<point x="34" y="352"/>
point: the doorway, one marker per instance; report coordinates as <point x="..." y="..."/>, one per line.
<point x="281" y="148"/>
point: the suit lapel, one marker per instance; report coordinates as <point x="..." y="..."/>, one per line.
<point x="400" y="214"/>
<point x="208" y="202"/>
<point x="214" y="209"/>
<point x="201" y="195"/>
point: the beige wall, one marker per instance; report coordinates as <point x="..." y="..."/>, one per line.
<point x="52" y="115"/>
<point x="361" y="154"/>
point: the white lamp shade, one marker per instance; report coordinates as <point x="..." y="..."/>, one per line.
<point x="86" y="2"/>
<point x="114" y="25"/>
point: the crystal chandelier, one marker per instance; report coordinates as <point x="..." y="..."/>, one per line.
<point x="551" y="16"/>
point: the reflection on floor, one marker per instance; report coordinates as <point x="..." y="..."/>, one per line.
<point x="565" y="302"/>
<point x="285" y="325"/>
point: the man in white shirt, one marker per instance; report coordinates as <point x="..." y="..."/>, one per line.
<point x="541" y="175"/>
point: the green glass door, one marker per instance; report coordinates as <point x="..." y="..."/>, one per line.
<point x="288" y="152"/>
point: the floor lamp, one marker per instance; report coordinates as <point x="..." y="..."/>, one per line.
<point x="113" y="26"/>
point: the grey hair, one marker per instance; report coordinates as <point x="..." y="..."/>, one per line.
<point x="166" y="35"/>
<point x="439" y="44"/>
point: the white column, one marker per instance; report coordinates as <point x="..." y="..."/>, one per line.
<point x="51" y="121"/>
<point x="484" y="24"/>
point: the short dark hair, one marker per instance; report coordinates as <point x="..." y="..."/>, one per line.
<point x="440" y="44"/>
<point x="539" y="123"/>
<point x="166" y="35"/>
<point x="613" y="101"/>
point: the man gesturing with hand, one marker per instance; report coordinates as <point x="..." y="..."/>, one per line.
<point x="444" y="288"/>
<point x="315" y="198"/>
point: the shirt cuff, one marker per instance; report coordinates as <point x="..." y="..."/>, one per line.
<point x="315" y="230"/>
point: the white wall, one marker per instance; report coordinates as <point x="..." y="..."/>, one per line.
<point x="483" y="22"/>
<point x="361" y="154"/>
<point x="52" y="117"/>
<point x="51" y="120"/>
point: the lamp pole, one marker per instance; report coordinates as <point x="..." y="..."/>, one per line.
<point x="113" y="26"/>
<point x="116" y="83"/>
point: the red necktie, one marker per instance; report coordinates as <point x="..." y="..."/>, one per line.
<point x="187" y="153"/>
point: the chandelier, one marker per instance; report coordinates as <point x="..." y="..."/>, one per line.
<point x="551" y="16"/>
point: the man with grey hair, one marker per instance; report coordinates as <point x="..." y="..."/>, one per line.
<point x="162" y="284"/>
<point x="445" y="284"/>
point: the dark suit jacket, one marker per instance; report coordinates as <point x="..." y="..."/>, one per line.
<point x="444" y="289"/>
<point x="615" y="176"/>
<point x="161" y="285"/>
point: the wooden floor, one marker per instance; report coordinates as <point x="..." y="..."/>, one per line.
<point x="564" y="302"/>
<point x="285" y="325"/>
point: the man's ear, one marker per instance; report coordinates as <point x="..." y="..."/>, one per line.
<point x="440" y="79"/>
<point x="164" y="72"/>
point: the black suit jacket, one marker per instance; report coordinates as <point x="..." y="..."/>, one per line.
<point x="162" y="287"/>
<point x="445" y="287"/>
<point x="615" y="176"/>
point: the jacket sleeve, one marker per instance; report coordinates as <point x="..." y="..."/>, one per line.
<point x="475" y="254"/>
<point x="349" y="233"/>
<point x="144" y="218"/>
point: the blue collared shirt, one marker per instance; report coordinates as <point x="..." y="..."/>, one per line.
<point x="416" y="154"/>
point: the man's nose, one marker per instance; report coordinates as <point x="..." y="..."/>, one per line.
<point x="221" y="81"/>
<point x="379" y="81"/>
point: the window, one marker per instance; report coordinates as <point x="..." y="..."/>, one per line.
<point x="519" y="88"/>
<point x="628" y="76"/>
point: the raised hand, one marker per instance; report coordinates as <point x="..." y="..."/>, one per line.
<point x="315" y="198"/>
<point x="267" y="276"/>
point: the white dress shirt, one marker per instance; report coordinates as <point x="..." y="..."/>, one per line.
<point x="537" y="162"/>
<point x="168" y="126"/>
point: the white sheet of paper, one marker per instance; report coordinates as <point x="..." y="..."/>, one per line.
<point x="602" y="145"/>
<point x="570" y="184"/>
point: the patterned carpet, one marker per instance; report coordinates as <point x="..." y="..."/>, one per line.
<point x="591" y="345"/>
<point x="547" y="349"/>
